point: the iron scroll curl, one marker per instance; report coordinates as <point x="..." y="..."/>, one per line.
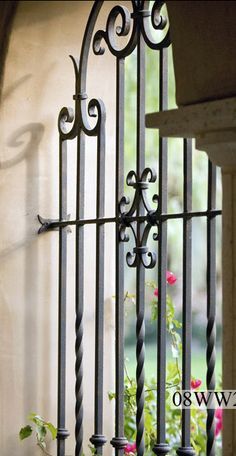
<point x="73" y="121"/>
<point x="131" y="23"/>
<point x="139" y="19"/>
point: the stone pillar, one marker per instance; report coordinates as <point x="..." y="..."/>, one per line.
<point x="221" y="149"/>
<point x="213" y="124"/>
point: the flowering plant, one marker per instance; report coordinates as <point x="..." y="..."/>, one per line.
<point x="173" y="380"/>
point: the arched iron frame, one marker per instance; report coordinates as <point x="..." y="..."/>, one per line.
<point x="139" y="218"/>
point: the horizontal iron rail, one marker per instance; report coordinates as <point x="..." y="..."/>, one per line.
<point x="51" y="225"/>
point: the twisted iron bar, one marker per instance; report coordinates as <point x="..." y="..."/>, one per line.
<point x="140" y="251"/>
<point x="140" y="355"/>
<point x="79" y="385"/>
<point x="211" y="357"/>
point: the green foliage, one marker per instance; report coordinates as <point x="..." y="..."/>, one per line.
<point x="40" y="428"/>
<point x="173" y="382"/>
<point x="25" y="432"/>
<point x="92" y="449"/>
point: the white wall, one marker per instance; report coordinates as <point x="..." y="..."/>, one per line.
<point x="38" y="81"/>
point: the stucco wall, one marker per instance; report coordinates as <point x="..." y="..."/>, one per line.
<point x="38" y="81"/>
<point x="8" y="9"/>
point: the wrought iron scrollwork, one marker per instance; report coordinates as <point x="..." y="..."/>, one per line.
<point x="131" y="23"/>
<point x="127" y="219"/>
<point x="140" y="217"/>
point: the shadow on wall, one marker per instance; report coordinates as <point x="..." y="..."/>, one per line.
<point x="20" y="265"/>
<point x="15" y="86"/>
<point x="34" y="131"/>
<point x="29" y="136"/>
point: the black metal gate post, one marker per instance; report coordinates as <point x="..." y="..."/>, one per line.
<point x="140" y="271"/>
<point x="138" y="218"/>
<point x="211" y="302"/>
<point x="119" y="441"/>
<point x="161" y="446"/>
<point x="186" y="448"/>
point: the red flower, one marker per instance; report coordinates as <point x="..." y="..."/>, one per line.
<point x="170" y="278"/>
<point x="218" y="428"/>
<point x="130" y="448"/>
<point x="156" y="292"/>
<point x="195" y="383"/>
<point x="219" y="421"/>
<point x="219" y="413"/>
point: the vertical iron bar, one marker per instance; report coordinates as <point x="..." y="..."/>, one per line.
<point x="186" y="448"/>
<point x="211" y="304"/>
<point x="98" y="439"/>
<point x="140" y="271"/>
<point x="79" y="295"/>
<point x="62" y="433"/>
<point x="119" y="441"/>
<point x="161" y="448"/>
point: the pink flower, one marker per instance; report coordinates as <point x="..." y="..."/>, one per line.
<point x="218" y="428"/>
<point x="156" y="292"/>
<point x="219" y="421"/>
<point x="170" y="278"/>
<point x="219" y="413"/>
<point x="130" y="448"/>
<point x="195" y="383"/>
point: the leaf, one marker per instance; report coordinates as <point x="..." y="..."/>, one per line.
<point x="111" y="395"/>
<point x="41" y="432"/>
<point x="25" y="432"/>
<point x="153" y="310"/>
<point x="177" y="323"/>
<point x="172" y="370"/>
<point x="52" y="429"/>
<point x="176" y="380"/>
<point x="92" y="449"/>
<point x="37" y="419"/>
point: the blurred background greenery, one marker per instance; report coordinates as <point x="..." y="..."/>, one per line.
<point x="175" y="233"/>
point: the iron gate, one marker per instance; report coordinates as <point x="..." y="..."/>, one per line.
<point x="139" y="218"/>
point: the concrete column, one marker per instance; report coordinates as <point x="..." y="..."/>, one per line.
<point x="213" y="124"/>
<point x="221" y="149"/>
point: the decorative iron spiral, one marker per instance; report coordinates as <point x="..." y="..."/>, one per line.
<point x="211" y="356"/>
<point x="79" y="117"/>
<point x="79" y="385"/>
<point x="140" y="354"/>
<point x="141" y="15"/>
<point x="141" y="18"/>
